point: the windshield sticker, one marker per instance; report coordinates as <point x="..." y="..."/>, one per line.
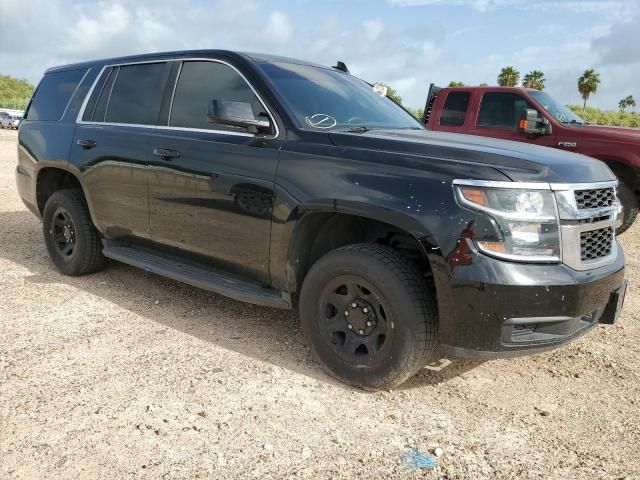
<point x="321" y="120"/>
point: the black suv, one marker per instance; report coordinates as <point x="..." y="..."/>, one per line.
<point x="288" y="184"/>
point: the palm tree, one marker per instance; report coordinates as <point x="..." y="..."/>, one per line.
<point x="588" y="85"/>
<point x="622" y="104"/>
<point x="631" y="102"/>
<point x="534" y="79"/>
<point x="509" y="77"/>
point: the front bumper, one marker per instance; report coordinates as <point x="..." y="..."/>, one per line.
<point x="493" y="309"/>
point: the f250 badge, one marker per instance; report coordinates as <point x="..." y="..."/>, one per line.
<point x="568" y="144"/>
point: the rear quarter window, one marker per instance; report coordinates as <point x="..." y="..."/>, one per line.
<point x="455" y="109"/>
<point x="53" y="94"/>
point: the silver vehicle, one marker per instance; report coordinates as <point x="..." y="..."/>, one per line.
<point x="9" y="121"/>
<point x="4" y="119"/>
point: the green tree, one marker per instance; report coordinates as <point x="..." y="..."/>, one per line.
<point x="484" y="84"/>
<point x="627" y="101"/>
<point x="392" y="93"/>
<point x="417" y="112"/>
<point x="453" y="83"/>
<point x="509" y="77"/>
<point x="14" y="93"/>
<point x="534" y="79"/>
<point x="588" y="85"/>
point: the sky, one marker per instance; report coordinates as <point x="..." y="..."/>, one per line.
<point x="405" y="43"/>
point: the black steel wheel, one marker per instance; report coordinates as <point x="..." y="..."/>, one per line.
<point x="357" y="322"/>
<point x="72" y="241"/>
<point x="63" y="232"/>
<point x="368" y="316"/>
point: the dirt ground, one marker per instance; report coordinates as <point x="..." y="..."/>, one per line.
<point x="125" y="374"/>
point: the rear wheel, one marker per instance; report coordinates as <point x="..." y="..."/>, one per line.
<point x="368" y="316"/>
<point x="629" y="201"/>
<point x="72" y="241"/>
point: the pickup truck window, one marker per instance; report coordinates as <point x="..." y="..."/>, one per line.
<point x="53" y="95"/>
<point x="136" y="94"/>
<point x="455" y="109"/>
<point x="322" y="98"/>
<point x="501" y="110"/>
<point x="558" y="111"/>
<point x="200" y="83"/>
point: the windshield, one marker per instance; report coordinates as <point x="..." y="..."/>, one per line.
<point x="324" y="99"/>
<point x="558" y="111"/>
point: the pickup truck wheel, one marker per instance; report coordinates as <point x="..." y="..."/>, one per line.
<point x="368" y="316"/>
<point x="629" y="201"/>
<point x="72" y="241"/>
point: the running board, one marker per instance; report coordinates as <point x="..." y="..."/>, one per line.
<point x="201" y="277"/>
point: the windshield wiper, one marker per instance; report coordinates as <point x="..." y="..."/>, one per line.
<point x="364" y="129"/>
<point x="359" y="129"/>
<point x="575" y="122"/>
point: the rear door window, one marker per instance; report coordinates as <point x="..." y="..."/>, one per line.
<point x="53" y="94"/>
<point x="455" y="109"/>
<point x="201" y="82"/>
<point x="502" y="110"/>
<point x="136" y="96"/>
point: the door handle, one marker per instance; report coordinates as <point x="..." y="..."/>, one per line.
<point x="166" y="154"/>
<point x="86" y="143"/>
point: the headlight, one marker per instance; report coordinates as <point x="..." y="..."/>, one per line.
<point x="527" y="218"/>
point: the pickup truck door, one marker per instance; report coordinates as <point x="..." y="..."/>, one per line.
<point x="498" y="115"/>
<point x="211" y="186"/>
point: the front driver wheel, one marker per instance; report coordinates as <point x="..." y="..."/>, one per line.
<point x="368" y="316"/>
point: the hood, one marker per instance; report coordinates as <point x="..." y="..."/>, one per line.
<point x="519" y="161"/>
<point x="621" y="134"/>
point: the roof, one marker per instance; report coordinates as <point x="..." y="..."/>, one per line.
<point x="489" y="87"/>
<point x="256" y="57"/>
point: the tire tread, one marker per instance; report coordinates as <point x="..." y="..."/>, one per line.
<point x="425" y="333"/>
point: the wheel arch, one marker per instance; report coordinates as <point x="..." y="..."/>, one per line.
<point x="623" y="170"/>
<point x="325" y="225"/>
<point x="50" y="179"/>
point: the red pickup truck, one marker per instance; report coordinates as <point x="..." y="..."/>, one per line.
<point x="533" y="116"/>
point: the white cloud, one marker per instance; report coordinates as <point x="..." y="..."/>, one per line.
<point x="373" y="28"/>
<point x="477" y="4"/>
<point x="611" y="8"/>
<point x="37" y="34"/>
<point x="279" y="28"/>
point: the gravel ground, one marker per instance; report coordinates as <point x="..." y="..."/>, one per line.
<point x="126" y="374"/>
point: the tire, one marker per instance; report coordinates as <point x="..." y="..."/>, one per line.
<point x="72" y="240"/>
<point x="629" y="201"/>
<point x="393" y="330"/>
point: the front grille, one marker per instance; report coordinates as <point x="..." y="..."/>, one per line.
<point x="596" y="243"/>
<point x="598" y="198"/>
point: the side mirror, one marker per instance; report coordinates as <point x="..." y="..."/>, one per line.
<point x="237" y="114"/>
<point x="532" y="123"/>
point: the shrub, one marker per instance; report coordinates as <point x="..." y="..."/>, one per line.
<point x="607" y="117"/>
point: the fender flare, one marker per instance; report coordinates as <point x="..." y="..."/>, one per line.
<point x="296" y="234"/>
